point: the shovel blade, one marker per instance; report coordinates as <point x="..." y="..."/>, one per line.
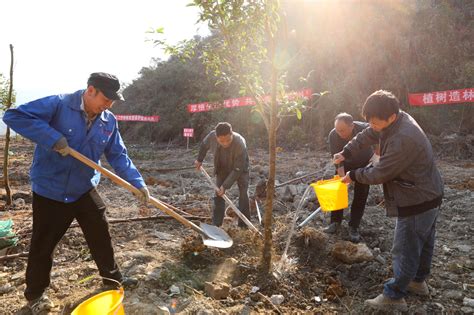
<point x="215" y="236"/>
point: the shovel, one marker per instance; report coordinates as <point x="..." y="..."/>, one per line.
<point x="231" y="204"/>
<point x="212" y="235"/>
<point x="309" y="217"/>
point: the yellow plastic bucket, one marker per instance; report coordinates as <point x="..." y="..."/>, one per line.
<point x="107" y="303"/>
<point x="332" y="194"/>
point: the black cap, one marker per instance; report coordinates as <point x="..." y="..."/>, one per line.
<point x="108" y="84"/>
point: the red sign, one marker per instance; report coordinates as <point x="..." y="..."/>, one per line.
<point x="242" y="101"/>
<point x="442" y="97"/>
<point x="188" y="132"/>
<point x="138" y="118"/>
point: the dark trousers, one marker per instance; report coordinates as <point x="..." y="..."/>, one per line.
<point x="361" y="192"/>
<point x="412" y="251"/>
<point x="51" y="219"/>
<point x="219" y="202"/>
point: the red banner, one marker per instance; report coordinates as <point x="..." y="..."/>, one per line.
<point x="188" y="132"/>
<point x="138" y="118"/>
<point x="241" y="101"/>
<point x="442" y="97"/>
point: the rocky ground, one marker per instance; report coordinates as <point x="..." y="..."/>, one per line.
<point x="173" y="266"/>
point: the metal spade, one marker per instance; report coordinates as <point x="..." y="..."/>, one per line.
<point x="212" y="235"/>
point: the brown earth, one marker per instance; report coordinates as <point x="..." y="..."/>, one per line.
<point x="164" y="253"/>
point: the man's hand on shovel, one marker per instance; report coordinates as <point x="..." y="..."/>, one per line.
<point x="197" y="165"/>
<point x="61" y="146"/>
<point x="144" y="196"/>
<point x="221" y="191"/>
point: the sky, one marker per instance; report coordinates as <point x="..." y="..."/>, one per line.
<point x="57" y="44"/>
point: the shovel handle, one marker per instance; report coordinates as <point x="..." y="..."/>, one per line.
<point x="231" y="204"/>
<point x="309" y="218"/>
<point x="123" y="183"/>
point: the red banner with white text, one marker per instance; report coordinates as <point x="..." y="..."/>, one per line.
<point x="138" y="118"/>
<point x="241" y="101"/>
<point x="441" y="97"/>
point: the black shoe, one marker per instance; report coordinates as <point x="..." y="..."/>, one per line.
<point x="333" y="228"/>
<point x="354" y="234"/>
<point x="129" y="283"/>
<point x="41" y="305"/>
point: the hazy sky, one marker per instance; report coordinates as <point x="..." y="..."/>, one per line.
<point x="57" y="44"/>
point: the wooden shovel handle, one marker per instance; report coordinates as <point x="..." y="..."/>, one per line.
<point x="121" y="182"/>
<point x="231" y="204"/>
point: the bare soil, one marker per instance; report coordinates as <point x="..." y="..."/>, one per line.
<point x="163" y="254"/>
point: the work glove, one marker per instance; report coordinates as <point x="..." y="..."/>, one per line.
<point x="144" y="195"/>
<point x="61" y="146"/>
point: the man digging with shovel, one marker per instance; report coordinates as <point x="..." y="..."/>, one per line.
<point x="64" y="189"/>
<point x="231" y="164"/>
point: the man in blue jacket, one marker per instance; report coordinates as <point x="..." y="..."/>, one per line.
<point x="64" y="189"/>
<point x="413" y="192"/>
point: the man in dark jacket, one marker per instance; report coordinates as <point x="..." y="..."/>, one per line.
<point x="345" y="128"/>
<point x="231" y="164"/>
<point x="413" y="191"/>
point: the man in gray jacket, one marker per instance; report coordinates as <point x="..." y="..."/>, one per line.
<point x="345" y="128"/>
<point x="231" y="164"/>
<point x="413" y="191"/>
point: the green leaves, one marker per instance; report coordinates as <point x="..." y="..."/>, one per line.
<point x="243" y="49"/>
<point x="4" y="89"/>
<point x="298" y="114"/>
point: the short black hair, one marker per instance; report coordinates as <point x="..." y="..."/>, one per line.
<point x="223" y="129"/>
<point x="380" y="104"/>
<point x="345" y="117"/>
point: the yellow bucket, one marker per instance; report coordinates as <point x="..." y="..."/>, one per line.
<point x="332" y="194"/>
<point x="107" y="303"/>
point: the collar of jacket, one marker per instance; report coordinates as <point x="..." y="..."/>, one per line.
<point x="387" y="132"/>
<point x="75" y="104"/>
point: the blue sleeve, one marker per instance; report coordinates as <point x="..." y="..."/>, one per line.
<point x="117" y="156"/>
<point x="32" y="119"/>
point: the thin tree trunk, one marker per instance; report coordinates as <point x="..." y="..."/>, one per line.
<point x="268" y="242"/>
<point x="7" y="136"/>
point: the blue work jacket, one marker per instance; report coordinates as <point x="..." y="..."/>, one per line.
<point x="65" y="179"/>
